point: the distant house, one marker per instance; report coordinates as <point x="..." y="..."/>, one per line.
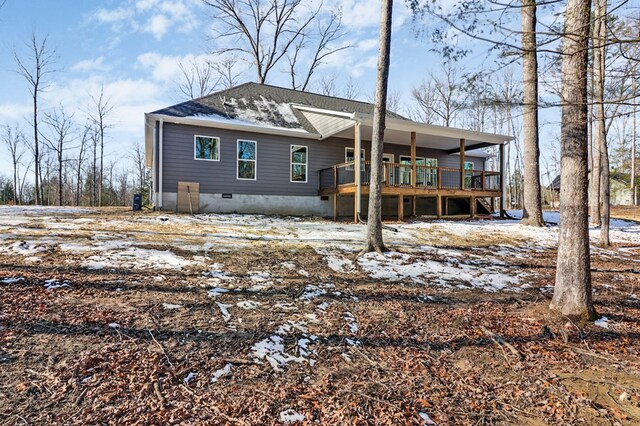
<point x="265" y="149"/>
<point x="620" y="189"/>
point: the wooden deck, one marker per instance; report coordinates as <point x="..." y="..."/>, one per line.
<point x="404" y="180"/>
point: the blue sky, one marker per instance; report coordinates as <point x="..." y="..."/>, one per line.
<point x="133" y="47"/>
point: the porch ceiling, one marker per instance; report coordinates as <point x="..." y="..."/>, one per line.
<point x="398" y="131"/>
<point x="401" y="137"/>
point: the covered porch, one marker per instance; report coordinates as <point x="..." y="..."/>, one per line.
<point x="415" y="177"/>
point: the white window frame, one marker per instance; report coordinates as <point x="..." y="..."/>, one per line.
<point x="291" y="164"/>
<point x="195" y="147"/>
<point x="362" y="156"/>
<point x="255" y="160"/>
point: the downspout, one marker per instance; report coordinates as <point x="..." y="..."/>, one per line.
<point x="160" y="143"/>
<point x="154" y="168"/>
<point x="358" y="170"/>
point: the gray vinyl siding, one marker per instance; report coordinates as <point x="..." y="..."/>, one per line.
<point x="273" y="161"/>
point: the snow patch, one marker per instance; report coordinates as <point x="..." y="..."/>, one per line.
<point x="54" y="284"/>
<point x="11" y="280"/>
<point x="224" y="371"/>
<point x="248" y="304"/>
<point x="602" y="322"/>
<point x="171" y="306"/>
<point x="224" y="310"/>
<point x="189" y="377"/>
<point x="290" y="416"/>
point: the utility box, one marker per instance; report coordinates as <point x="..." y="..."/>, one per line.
<point x="137" y="202"/>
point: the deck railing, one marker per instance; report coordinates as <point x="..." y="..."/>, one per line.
<point x="400" y="175"/>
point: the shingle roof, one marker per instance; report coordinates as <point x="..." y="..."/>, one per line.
<point x="265" y="104"/>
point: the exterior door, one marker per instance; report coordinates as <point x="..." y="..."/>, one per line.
<point x="405" y="171"/>
<point x="388" y="158"/>
<point x="431" y="178"/>
<point x="468" y="174"/>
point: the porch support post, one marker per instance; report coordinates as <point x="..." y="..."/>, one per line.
<point x="472" y="206"/>
<point x="413" y="160"/>
<point x="400" y="207"/>
<point x="461" y="163"/>
<point x="414" y="199"/>
<point x="358" y="167"/>
<point x="438" y="206"/>
<point x="502" y="182"/>
<point x="446" y="206"/>
<point x="335" y="207"/>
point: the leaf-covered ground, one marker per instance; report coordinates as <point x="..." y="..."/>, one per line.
<point x="115" y="318"/>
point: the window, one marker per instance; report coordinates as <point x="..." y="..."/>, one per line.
<point x="247" y="158"/>
<point x="299" y="161"/>
<point x="207" y="148"/>
<point x="349" y="157"/>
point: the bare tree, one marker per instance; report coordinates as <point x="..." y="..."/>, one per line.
<point x="442" y="97"/>
<point x="374" y="241"/>
<point x="425" y="101"/>
<point x="266" y="31"/>
<point x="137" y="156"/>
<point x="60" y="126"/>
<point x="634" y="92"/>
<point x="532" y="211"/>
<point x="572" y="292"/>
<point x="84" y="140"/>
<point x="103" y="108"/>
<point x="601" y="168"/>
<point x="351" y="89"/>
<point x="198" y="79"/>
<point x="225" y="68"/>
<point x="35" y="67"/>
<point x="327" y="85"/>
<point x="95" y="141"/>
<point x="328" y="32"/>
<point x="14" y="141"/>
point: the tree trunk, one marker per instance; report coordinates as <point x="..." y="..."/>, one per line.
<point x="60" y="177"/>
<point x="100" y="182"/>
<point x="572" y="292"/>
<point x="532" y="212"/>
<point x="374" y="221"/>
<point x="634" y="190"/>
<point x="36" y="147"/>
<point x="600" y="133"/>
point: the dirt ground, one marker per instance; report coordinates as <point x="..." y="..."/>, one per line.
<point x="122" y="345"/>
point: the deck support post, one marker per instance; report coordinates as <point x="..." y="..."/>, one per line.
<point x="414" y="173"/>
<point x="502" y="182"/>
<point x="400" y="207"/>
<point x="446" y="206"/>
<point x="461" y="163"/>
<point x="414" y="199"/>
<point x="472" y="206"/>
<point x="438" y="206"/>
<point x="335" y="207"/>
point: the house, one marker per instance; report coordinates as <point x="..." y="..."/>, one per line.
<point x="263" y="149"/>
<point x="619" y="188"/>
